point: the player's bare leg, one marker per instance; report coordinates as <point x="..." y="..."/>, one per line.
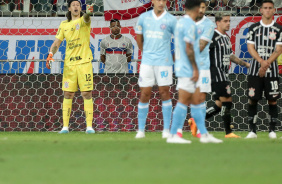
<point x="143" y="108"/>
<point x="166" y="109"/>
<point x="88" y="110"/>
<point x="67" y="105"/>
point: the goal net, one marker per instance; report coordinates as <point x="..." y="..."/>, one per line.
<point x="31" y="95"/>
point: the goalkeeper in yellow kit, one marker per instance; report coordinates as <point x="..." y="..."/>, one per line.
<point x="77" y="65"/>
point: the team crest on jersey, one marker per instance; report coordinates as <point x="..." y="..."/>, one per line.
<point x="66" y="84"/>
<point x="123" y="44"/>
<point x="163" y="26"/>
<point x="77" y="26"/>
<point x="228" y="90"/>
<point x="272" y="35"/>
<point x="199" y="31"/>
<point x="252" y="92"/>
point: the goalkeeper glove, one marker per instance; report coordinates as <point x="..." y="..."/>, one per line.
<point x="49" y="60"/>
<point x="89" y="8"/>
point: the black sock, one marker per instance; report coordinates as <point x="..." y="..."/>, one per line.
<point x="212" y="111"/>
<point x="273" y="112"/>
<point x="252" y="117"/>
<point x="226" y="116"/>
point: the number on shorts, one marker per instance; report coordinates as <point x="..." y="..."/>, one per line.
<point x="274" y="85"/>
<point x="88" y="77"/>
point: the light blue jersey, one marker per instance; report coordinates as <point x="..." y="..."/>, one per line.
<point x="205" y="31"/>
<point x="157" y="32"/>
<point x="185" y="32"/>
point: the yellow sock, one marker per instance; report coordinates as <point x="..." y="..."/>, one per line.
<point x="88" y="109"/>
<point x="67" y="104"/>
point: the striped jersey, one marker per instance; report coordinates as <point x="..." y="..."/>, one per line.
<point x="265" y="38"/>
<point x="115" y="51"/>
<point x="220" y="52"/>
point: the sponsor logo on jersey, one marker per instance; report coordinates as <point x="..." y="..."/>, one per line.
<point x="251" y="92"/>
<point x="76" y="58"/>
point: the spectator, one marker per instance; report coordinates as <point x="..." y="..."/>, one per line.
<point x="220" y="4"/>
<point x="116" y="50"/>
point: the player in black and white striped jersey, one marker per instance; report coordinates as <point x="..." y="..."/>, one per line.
<point x="220" y="56"/>
<point x="265" y="45"/>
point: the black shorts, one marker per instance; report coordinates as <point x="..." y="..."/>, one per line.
<point x="256" y="86"/>
<point x="221" y="89"/>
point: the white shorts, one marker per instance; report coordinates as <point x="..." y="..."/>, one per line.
<point x="204" y="82"/>
<point x="151" y="75"/>
<point x="186" y="84"/>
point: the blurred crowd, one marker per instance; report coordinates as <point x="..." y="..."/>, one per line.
<point x="44" y="6"/>
<point x="59" y="7"/>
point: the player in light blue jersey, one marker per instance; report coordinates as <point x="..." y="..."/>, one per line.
<point x="154" y="30"/>
<point x="205" y="29"/>
<point x="188" y="62"/>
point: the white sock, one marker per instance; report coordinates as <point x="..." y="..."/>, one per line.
<point x="65" y="128"/>
<point x="89" y="128"/>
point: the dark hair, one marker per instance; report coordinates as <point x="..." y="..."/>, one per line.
<point x="68" y="15"/>
<point x="70" y="1"/>
<point x="220" y="15"/>
<point x="267" y="1"/>
<point x="114" y="20"/>
<point x="190" y="4"/>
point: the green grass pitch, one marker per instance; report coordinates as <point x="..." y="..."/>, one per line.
<point x="41" y="157"/>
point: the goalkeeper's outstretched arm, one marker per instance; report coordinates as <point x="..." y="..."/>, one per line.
<point x="54" y="48"/>
<point x="89" y="11"/>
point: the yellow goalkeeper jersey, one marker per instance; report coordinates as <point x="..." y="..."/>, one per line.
<point x="77" y="35"/>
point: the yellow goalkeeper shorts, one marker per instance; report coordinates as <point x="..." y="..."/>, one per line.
<point x="78" y="76"/>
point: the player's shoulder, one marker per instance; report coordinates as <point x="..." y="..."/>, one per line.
<point x="108" y="37"/>
<point x="126" y="38"/>
<point x="170" y="16"/>
<point x="146" y="14"/>
<point x="187" y="20"/>
<point x="64" y="22"/>
<point x="216" y="35"/>
<point x="209" y="22"/>
<point x="255" y="25"/>
<point x="278" y="26"/>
